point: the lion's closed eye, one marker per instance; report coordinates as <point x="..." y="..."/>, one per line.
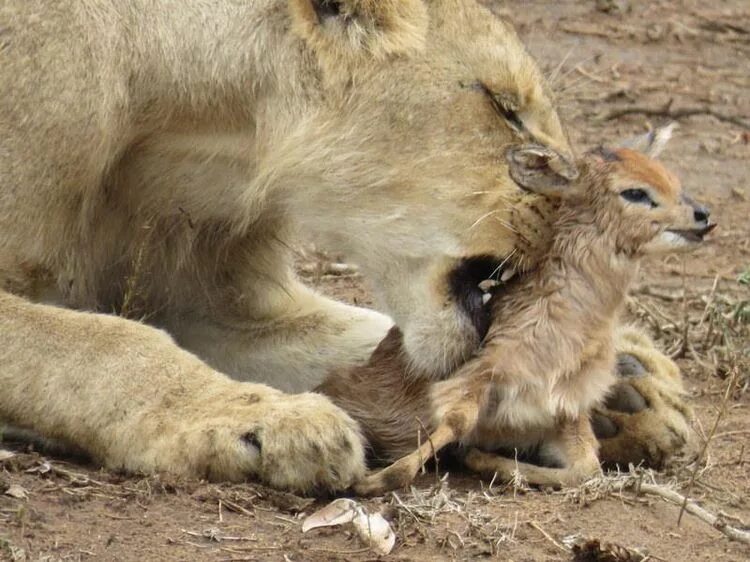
<point x="505" y="106"/>
<point x="503" y="103"/>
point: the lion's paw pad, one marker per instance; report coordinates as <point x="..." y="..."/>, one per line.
<point x="644" y="419"/>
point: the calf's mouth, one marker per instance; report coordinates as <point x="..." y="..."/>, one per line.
<point x="694" y="235"/>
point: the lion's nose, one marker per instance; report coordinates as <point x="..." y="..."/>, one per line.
<point x="701" y="214"/>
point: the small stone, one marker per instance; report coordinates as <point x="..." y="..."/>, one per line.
<point x="613" y="7"/>
<point x="739" y="194"/>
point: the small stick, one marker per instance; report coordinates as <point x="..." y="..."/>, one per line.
<point x="739" y="520"/>
<point x="339" y="552"/>
<point x="709" y="313"/>
<point x="74" y="476"/>
<point x="685" y="297"/>
<point x="702" y="514"/>
<point x="434" y="452"/>
<point x="697" y="359"/>
<point x="594" y="78"/>
<point x="407" y="509"/>
<point x="237" y="508"/>
<point x="651" y="292"/>
<point x="676" y="114"/>
<point x="728" y="433"/>
<point x="685" y="320"/>
<point x="657" y="313"/>
<point x="722" y="410"/>
<point x="576" y="30"/>
<point x="709" y="301"/>
<point x="547" y="536"/>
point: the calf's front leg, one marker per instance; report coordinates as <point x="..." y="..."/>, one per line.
<point x="572" y="444"/>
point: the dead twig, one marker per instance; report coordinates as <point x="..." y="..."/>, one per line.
<point x="215" y="535"/>
<point x="593" y="77"/>
<point x="434" y="451"/>
<point x="650" y="291"/>
<point x="547" y="536"/>
<point x="685" y="315"/>
<point x="668" y="113"/>
<point x="713" y="24"/>
<point x="588" y="30"/>
<point x="231" y="506"/>
<point x="715" y="521"/>
<point x="730" y="433"/>
<point x="339" y="552"/>
<point x="702" y="454"/>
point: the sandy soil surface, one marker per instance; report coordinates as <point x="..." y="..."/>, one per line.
<point x="617" y="72"/>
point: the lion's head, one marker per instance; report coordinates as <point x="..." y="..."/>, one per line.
<point x="397" y="158"/>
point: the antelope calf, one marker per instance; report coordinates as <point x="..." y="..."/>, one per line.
<point x="548" y="357"/>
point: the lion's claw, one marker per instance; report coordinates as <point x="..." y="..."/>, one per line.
<point x="645" y="419"/>
<point x="296" y="442"/>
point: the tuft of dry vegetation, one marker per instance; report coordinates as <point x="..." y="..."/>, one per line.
<point x="711" y="328"/>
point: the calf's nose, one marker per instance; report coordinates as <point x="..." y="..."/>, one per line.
<point x="701" y="214"/>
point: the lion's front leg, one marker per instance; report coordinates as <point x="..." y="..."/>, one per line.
<point x="291" y="344"/>
<point x="645" y="419"/>
<point x="131" y="398"/>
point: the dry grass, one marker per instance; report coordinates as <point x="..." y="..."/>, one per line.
<point x="710" y="327"/>
<point x="646" y="482"/>
<point x="416" y="513"/>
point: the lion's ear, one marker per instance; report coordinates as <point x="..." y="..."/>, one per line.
<point x="342" y="30"/>
<point x="541" y="170"/>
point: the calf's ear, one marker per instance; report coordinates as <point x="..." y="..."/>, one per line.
<point x="342" y="30"/>
<point x="652" y="143"/>
<point x="541" y="170"/>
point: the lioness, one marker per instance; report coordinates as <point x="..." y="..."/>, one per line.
<point x="158" y="158"/>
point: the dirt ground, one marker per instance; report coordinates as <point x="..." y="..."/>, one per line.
<point x="616" y="73"/>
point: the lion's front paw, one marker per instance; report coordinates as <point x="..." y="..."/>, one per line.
<point x="307" y="443"/>
<point x="245" y="432"/>
<point x="645" y="419"/>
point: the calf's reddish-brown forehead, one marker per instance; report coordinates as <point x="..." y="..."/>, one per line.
<point x="642" y="169"/>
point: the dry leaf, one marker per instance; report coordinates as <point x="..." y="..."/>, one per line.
<point x="5" y="455"/>
<point x="16" y="491"/>
<point x="42" y="468"/>
<point x="376" y="531"/>
<point x="373" y="529"/>
<point x="337" y="512"/>
<point x="594" y="550"/>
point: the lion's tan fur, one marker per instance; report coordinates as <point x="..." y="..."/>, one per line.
<point x="159" y="161"/>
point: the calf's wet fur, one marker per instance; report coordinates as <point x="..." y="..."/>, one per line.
<point x="549" y="355"/>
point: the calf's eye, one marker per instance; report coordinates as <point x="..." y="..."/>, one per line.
<point x="638" y="196"/>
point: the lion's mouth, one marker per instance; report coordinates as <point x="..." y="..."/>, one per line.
<point x="475" y="283"/>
